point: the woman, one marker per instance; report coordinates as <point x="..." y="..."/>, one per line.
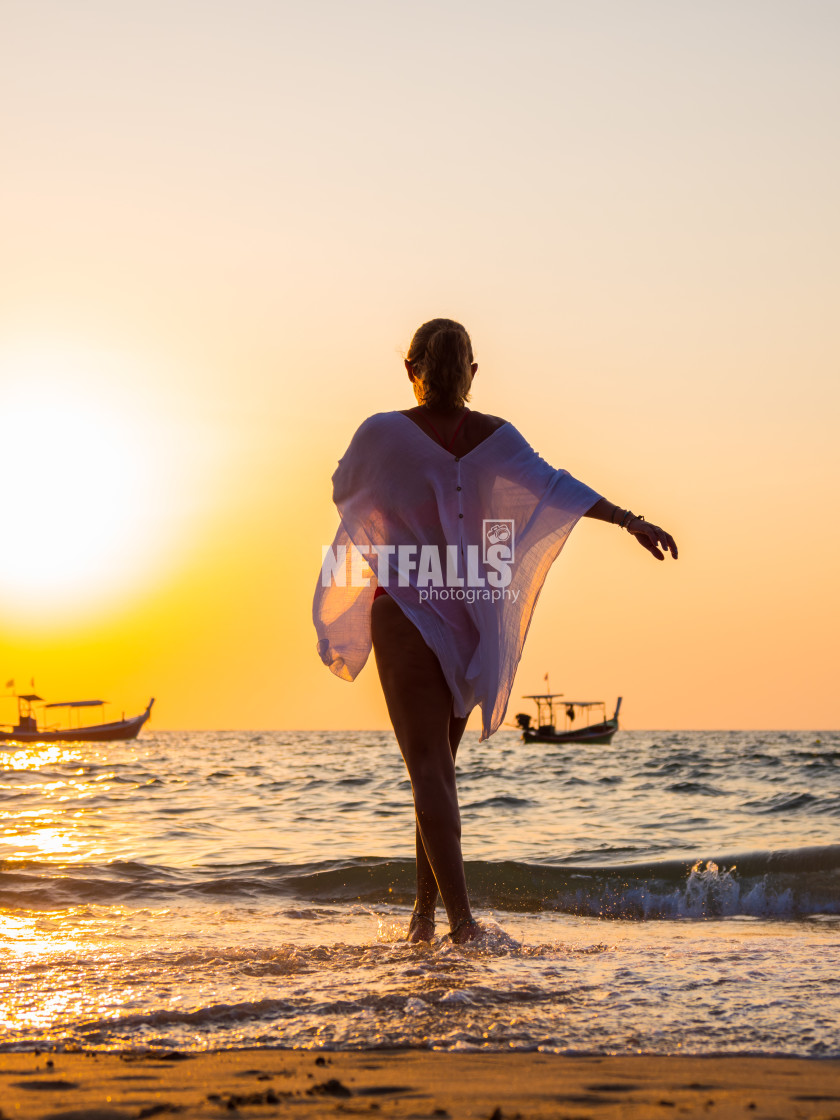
<point x="449" y="524"/>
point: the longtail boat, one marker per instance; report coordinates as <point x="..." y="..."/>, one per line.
<point x="570" y="711"/>
<point x="27" y="729"/>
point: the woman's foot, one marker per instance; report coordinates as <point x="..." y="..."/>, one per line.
<point x="420" y="928"/>
<point x="467" y="930"/>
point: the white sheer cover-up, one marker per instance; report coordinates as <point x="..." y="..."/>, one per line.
<point x="396" y="486"/>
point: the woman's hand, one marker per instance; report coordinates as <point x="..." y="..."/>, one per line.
<point x="648" y="535"/>
<point x="652" y="538"/>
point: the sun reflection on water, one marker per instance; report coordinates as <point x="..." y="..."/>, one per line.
<point x="39" y="935"/>
<point x="35" y="756"/>
<point x="59" y="774"/>
<point x="68" y="946"/>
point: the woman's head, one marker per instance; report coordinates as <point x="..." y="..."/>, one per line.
<point x="440" y="363"/>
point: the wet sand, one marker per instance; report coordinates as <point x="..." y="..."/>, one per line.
<point x="410" y="1084"/>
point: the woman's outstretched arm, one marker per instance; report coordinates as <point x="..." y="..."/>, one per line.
<point x="649" y="536"/>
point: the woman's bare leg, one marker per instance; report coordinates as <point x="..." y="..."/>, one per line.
<point x="427" y="889"/>
<point x="420" y="706"/>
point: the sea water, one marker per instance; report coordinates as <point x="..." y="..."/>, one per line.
<point x="675" y="892"/>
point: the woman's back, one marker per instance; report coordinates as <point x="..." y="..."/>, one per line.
<point x="461" y="542"/>
<point x="459" y="432"/>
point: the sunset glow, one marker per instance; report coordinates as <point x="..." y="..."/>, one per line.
<point x="83" y="506"/>
<point x="102" y="482"/>
<point x="631" y="207"/>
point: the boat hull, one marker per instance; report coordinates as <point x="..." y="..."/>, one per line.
<point x="101" y="732"/>
<point x="598" y="733"/>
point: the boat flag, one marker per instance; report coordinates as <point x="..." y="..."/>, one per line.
<point x="10" y="684"/>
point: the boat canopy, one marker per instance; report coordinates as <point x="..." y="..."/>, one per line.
<point x="31" y="697"/>
<point x="72" y="703"/>
<point x="566" y="703"/>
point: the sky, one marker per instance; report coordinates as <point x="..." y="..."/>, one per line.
<point x="221" y="223"/>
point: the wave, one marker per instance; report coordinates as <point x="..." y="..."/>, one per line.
<point x="213" y="1014"/>
<point x="786" y="883"/>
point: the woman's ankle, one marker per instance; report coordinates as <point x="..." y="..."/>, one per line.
<point x="466" y="930"/>
<point x="421" y="927"/>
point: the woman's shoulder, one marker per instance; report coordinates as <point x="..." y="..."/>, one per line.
<point x="377" y="423"/>
<point x="483" y="424"/>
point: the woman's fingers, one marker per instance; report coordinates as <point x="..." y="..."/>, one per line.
<point x="652" y="537"/>
<point x="666" y="541"/>
<point x="646" y="541"/>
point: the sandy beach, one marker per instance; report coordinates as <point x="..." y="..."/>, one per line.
<point x="409" y="1084"/>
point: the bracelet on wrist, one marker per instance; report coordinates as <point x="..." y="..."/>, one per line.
<point x="629" y="517"/>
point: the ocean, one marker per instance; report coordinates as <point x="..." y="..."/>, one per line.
<point x="674" y="893"/>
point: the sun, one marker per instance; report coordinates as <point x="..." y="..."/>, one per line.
<point x="92" y="489"/>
